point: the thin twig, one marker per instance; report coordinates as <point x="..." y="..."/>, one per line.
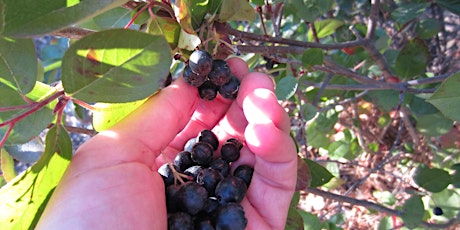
<point x="375" y="206"/>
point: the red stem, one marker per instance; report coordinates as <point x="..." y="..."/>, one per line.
<point x="36" y="107"/>
<point x="7" y="133"/>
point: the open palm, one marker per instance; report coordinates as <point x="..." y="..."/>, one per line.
<point x="112" y="181"/>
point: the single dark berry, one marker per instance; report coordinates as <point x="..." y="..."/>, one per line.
<point x="237" y="142"/>
<point x="192" y="197"/>
<point x="209" y="137"/>
<point x="192" y="78"/>
<point x="177" y="56"/>
<point x="167" y="174"/>
<point x="193" y="171"/>
<point x="209" y="178"/>
<point x="202" y="153"/>
<point x="211" y="205"/>
<point x="437" y="211"/>
<point x="172" y="203"/>
<point x="180" y="221"/>
<point x="220" y="73"/>
<point x="208" y="91"/>
<point x="230" y="152"/>
<point x="183" y="160"/>
<point x="231" y="217"/>
<point x="189" y="144"/>
<point x="230" y="190"/>
<point x="230" y="89"/>
<point x="203" y="224"/>
<point x="200" y="62"/>
<point x="222" y="166"/>
<point x="245" y="173"/>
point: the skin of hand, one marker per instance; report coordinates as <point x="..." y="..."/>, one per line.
<point x="112" y="180"/>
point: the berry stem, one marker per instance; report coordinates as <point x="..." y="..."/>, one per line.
<point x="177" y="175"/>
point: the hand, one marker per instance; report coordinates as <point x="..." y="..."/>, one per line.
<point x="112" y="181"/>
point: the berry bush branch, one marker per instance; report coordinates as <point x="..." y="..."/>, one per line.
<point x="376" y="207"/>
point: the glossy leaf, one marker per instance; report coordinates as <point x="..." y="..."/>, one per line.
<point x="310" y="221"/>
<point x="18" y="64"/>
<point x="115" y="66"/>
<point x="433" y="125"/>
<point x="31" y="125"/>
<point x="313" y="56"/>
<point x="236" y="10"/>
<point x="191" y="13"/>
<point x="413" y="210"/>
<point x="412" y="59"/>
<point x="286" y="87"/>
<point x="319" y="174"/>
<point x="29" y="18"/>
<point x="447" y="97"/>
<point x="432" y="179"/>
<point x="325" y="28"/>
<point x="168" y="27"/>
<point x="115" y="18"/>
<point x="105" y="115"/>
<point x="23" y="199"/>
<point x="407" y="12"/>
<point x="7" y="165"/>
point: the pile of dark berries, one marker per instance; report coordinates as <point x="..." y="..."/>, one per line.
<point x="210" y="76"/>
<point x="208" y="195"/>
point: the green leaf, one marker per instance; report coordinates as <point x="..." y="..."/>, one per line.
<point x="319" y="174"/>
<point x="339" y="149"/>
<point x="23" y="199"/>
<point x="407" y="12"/>
<point x="294" y="221"/>
<point x="433" y="125"/>
<point x="447" y="97"/>
<point x="236" y="10"/>
<point x="310" y="221"/>
<point x="258" y="2"/>
<point x="286" y="88"/>
<point x="412" y="59"/>
<point x="191" y="13"/>
<point x="18" y="64"/>
<point x="427" y="28"/>
<point x="309" y="111"/>
<point x="311" y="57"/>
<point x="115" y="66"/>
<point x="385" y="197"/>
<point x="105" y="115"/>
<point x="115" y="18"/>
<point x="413" y="211"/>
<point x="432" y="179"/>
<point x="29" y="18"/>
<point x="309" y="10"/>
<point x="34" y="123"/>
<point x="188" y="41"/>
<point x="386" y="223"/>
<point x="451" y="5"/>
<point x="316" y="136"/>
<point x="325" y="28"/>
<point x="7" y="165"/>
<point x="166" y="26"/>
